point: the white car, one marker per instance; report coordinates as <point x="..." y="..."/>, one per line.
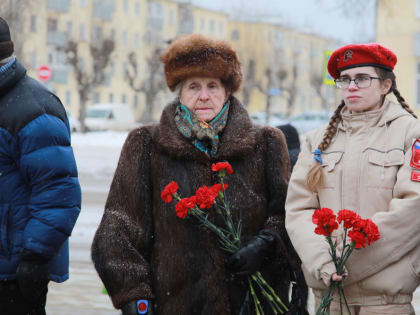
<point x="276" y="119"/>
<point x="74" y="123"/>
<point x="110" y="116"/>
<point x="308" y="121"/>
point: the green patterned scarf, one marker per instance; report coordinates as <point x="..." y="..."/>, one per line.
<point x="204" y="136"/>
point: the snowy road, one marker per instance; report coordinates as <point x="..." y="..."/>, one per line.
<point x="97" y="157"/>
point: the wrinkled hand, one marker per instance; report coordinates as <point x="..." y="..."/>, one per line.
<point x="250" y="257"/>
<point x="32" y="275"/>
<point x="131" y="308"/>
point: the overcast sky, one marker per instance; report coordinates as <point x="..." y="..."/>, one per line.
<point x="346" y="20"/>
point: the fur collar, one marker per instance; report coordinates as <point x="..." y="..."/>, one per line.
<point x="237" y="139"/>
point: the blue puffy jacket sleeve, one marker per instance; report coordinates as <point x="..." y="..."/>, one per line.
<point x="48" y="166"/>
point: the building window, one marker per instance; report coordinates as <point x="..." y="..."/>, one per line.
<point x="50" y="58"/>
<point x="202" y="24"/>
<point x="136" y="100"/>
<point x="137" y="40"/>
<point x="418" y="85"/>
<point x="123" y="98"/>
<point x="69" y="28"/>
<point x="82" y="34"/>
<point x="112" y="33"/>
<point x="33" y="24"/>
<point x="137" y="8"/>
<point x="124" y="38"/>
<point x="68" y="98"/>
<point x="98" y="33"/>
<point x="83" y="3"/>
<point x="417" y="44"/>
<point x="211" y="26"/>
<point x="96" y="97"/>
<point x="111" y="97"/>
<point x="418" y="9"/>
<point x="171" y="17"/>
<point x="221" y="27"/>
<point x="235" y="35"/>
<point x="51" y="25"/>
<point x="126" y="7"/>
<point x="33" y="60"/>
<point x="124" y="68"/>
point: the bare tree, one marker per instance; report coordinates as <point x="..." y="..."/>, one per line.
<point x="250" y="83"/>
<point x="151" y="85"/>
<point x="86" y="80"/>
<point x="15" y="12"/>
<point x="317" y="82"/>
<point x="288" y="83"/>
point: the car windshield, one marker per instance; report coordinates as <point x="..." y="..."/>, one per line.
<point x="98" y="113"/>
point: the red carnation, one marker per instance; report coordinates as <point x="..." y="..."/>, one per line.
<point x="169" y="191"/>
<point x="205" y="197"/>
<point x="358" y="238"/>
<point x="218" y="187"/>
<point x="348" y="217"/>
<point x="184" y="205"/>
<point x="372" y="231"/>
<point x="325" y="220"/>
<point x="222" y="166"/>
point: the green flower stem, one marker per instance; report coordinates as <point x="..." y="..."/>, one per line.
<point x="258" y="307"/>
<point x="344" y="296"/>
<point x="269" y="297"/>
<point x="272" y="292"/>
<point x="324" y="306"/>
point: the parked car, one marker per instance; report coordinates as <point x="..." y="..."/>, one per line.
<point x="109" y="116"/>
<point x="73" y="122"/>
<point x="275" y="120"/>
<point x="308" y="121"/>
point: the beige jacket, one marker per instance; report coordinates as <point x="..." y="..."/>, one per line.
<point x="365" y="169"/>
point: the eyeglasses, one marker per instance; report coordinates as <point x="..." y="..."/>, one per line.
<point x="361" y="82"/>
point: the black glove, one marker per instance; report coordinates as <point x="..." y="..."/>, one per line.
<point x="250" y="257"/>
<point x="134" y="308"/>
<point x="32" y="275"/>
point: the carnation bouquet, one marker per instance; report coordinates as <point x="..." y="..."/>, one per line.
<point x="361" y="232"/>
<point x="229" y="235"/>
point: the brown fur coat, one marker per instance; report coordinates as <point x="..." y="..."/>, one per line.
<point x="143" y="250"/>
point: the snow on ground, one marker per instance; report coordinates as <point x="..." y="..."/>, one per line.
<point x="97" y="153"/>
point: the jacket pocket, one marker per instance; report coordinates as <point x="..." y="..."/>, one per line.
<point x="4" y="232"/>
<point x="330" y="162"/>
<point x="383" y="167"/>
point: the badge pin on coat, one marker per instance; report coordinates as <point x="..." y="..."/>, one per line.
<point x="415" y="161"/>
<point x="142" y="306"/>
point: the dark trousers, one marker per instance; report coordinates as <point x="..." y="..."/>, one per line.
<point x="12" y="302"/>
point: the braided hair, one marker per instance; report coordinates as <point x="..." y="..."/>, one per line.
<point x="314" y="177"/>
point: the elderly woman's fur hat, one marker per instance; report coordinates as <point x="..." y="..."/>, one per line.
<point x="198" y="55"/>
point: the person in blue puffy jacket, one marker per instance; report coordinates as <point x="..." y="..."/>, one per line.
<point x="40" y="195"/>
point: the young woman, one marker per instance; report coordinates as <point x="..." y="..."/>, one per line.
<point x="361" y="162"/>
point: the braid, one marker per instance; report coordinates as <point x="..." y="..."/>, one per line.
<point x="314" y="177"/>
<point x="402" y="101"/>
<point x="385" y="74"/>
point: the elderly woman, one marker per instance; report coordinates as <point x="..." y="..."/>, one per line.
<point x="148" y="258"/>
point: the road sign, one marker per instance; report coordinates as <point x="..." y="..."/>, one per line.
<point x="327" y="79"/>
<point x="274" y="92"/>
<point x="44" y="73"/>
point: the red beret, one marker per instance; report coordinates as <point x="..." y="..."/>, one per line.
<point x="351" y="56"/>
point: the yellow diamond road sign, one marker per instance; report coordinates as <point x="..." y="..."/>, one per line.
<point x="328" y="80"/>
